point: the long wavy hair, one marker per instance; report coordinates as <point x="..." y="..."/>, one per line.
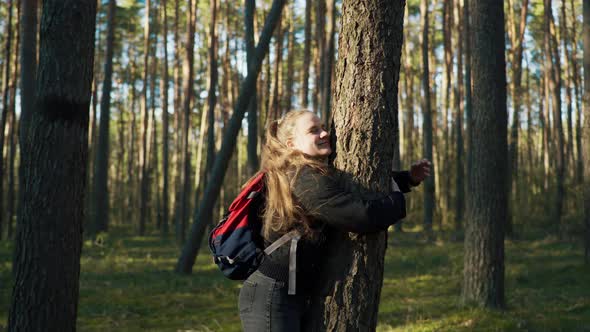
<point x="281" y="165"/>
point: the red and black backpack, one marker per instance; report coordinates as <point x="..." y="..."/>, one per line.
<point x="236" y="243"/>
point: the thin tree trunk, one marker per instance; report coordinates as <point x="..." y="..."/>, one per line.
<point x="49" y="231"/>
<point x="152" y="137"/>
<point x="143" y="160"/>
<point x="252" y="109"/>
<point x="5" y="101"/>
<point x="447" y="136"/>
<point x="306" y="56"/>
<point x="546" y="130"/>
<point x="211" y="96"/>
<point x="468" y="91"/>
<point x="13" y="131"/>
<point x="459" y="106"/>
<point x="288" y="89"/>
<point x="320" y="37"/>
<point x="275" y="112"/>
<point x="586" y="139"/>
<point x="165" y="140"/>
<point x="555" y="77"/>
<point x="328" y="66"/>
<point x="427" y="122"/>
<point x="177" y="157"/>
<point x="101" y="165"/>
<point x="569" y="151"/>
<point x="131" y="201"/>
<point x="204" y="214"/>
<point x="576" y="71"/>
<point x="182" y="213"/>
<point x="483" y="269"/>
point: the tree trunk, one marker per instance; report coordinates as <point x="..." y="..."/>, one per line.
<point x="131" y="171"/>
<point x="182" y="213"/>
<point x="5" y="97"/>
<point x="459" y="107"/>
<point x="427" y="122"/>
<point x="328" y="59"/>
<point x="546" y="130"/>
<point x="143" y="160"/>
<point x="153" y="185"/>
<point x="165" y="125"/>
<point x="354" y="274"/>
<point x="306" y="56"/>
<point x="288" y="90"/>
<point x="252" y="109"/>
<point x="101" y="165"/>
<point x="569" y="151"/>
<point x="211" y="97"/>
<point x="483" y="271"/>
<point x="275" y="104"/>
<point x="445" y="193"/>
<point x="13" y="131"/>
<point x="204" y="214"/>
<point x="468" y="91"/>
<point x="586" y="139"/>
<point x="320" y="37"/>
<point x="517" y="41"/>
<point x="55" y="153"/>
<point x="553" y="60"/>
<point x="177" y="154"/>
<point x="576" y="71"/>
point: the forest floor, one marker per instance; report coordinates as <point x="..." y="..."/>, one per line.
<point x="127" y="283"/>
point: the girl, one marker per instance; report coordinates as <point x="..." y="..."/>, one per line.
<point x="306" y="195"/>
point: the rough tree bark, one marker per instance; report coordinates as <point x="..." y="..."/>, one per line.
<point x="483" y="270"/>
<point x="55" y="153"/>
<point x="364" y="135"/>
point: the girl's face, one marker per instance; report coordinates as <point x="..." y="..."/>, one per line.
<point x="310" y="137"/>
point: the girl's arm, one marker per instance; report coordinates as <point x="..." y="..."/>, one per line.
<point x="325" y="199"/>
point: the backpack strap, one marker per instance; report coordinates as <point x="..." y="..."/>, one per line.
<point x="282" y="240"/>
<point x="293" y="265"/>
<point x="292" y="236"/>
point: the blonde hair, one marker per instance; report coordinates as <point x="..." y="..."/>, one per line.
<point x="281" y="165"/>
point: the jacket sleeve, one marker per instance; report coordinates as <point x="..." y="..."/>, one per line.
<point x="404" y="181"/>
<point x="325" y="199"/>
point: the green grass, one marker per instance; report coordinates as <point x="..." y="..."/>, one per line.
<point x="127" y="284"/>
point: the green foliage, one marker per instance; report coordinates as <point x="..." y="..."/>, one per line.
<point x="127" y="284"/>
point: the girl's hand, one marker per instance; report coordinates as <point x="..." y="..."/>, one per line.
<point x="419" y="171"/>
